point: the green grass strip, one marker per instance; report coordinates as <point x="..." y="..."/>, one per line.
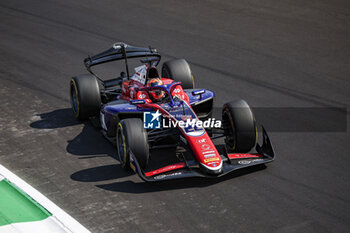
<point x="16" y="206"/>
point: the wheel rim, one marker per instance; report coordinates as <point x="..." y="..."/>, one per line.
<point x="121" y="147"/>
<point x="74" y="99"/>
<point x="229" y="130"/>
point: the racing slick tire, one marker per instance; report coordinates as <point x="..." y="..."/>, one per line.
<point x="239" y="126"/>
<point x="179" y="71"/>
<point x="85" y="96"/>
<point x="132" y="136"/>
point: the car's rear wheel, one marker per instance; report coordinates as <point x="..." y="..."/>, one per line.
<point x="179" y="71"/>
<point x="131" y="136"/>
<point x="85" y="96"/>
<point x="239" y="126"/>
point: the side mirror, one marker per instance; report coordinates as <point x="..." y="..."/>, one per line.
<point x="134" y="102"/>
<point x="199" y="92"/>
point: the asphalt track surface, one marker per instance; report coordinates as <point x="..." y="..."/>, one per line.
<point x="270" y="53"/>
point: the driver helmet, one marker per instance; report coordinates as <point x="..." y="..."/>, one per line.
<point x="156" y="94"/>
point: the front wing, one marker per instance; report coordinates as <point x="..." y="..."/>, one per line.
<point x="231" y="162"/>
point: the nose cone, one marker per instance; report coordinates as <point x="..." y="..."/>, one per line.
<point x="212" y="168"/>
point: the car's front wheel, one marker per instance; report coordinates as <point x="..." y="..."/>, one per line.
<point x="131" y="136"/>
<point x="239" y="126"/>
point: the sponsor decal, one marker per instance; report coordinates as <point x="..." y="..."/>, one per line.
<point x="202" y="140"/>
<point x="205" y="147"/>
<point x="184" y="118"/>
<point x="165" y="169"/>
<point x="142" y="96"/>
<point x="168" y="168"/>
<point x="209" y="155"/>
<point x="178" y="93"/>
<point x="151" y="120"/>
<point x="177" y="90"/>
<point x="137" y="101"/>
<point x="167" y="175"/>
<point x="240" y="156"/>
<point x="140" y="74"/>
<point x="245" y="162"/>
<point x="180" y="96"/>
<point x="211" y="160"/>
<point x="209" y="151"/>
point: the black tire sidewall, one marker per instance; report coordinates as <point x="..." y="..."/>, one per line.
<point x="125" y="161"/>
<point x="179" y="70"/>
<point x="88" y="94"/>
<point x="136" y="140"/>
<point x="242" y="121"/>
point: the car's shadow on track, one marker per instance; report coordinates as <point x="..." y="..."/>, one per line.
<point x="102" y="173"/>
<point x="90" y="143"/>
<point x="59" y="118"/>
<point x="144" y="187"/>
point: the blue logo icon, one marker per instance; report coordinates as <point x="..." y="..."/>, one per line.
<point x="152" y="120"/>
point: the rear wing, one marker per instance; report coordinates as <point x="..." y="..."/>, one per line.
<point x="120" y="51"/>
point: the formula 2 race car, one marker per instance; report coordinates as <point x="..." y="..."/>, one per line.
<point x="158" y="122"/>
